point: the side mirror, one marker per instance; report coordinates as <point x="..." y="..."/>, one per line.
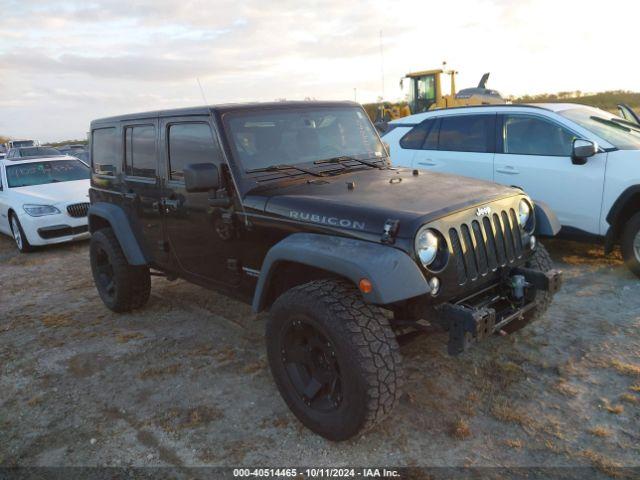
<point x="201" y="177"/>
<point x="583" y="149"/>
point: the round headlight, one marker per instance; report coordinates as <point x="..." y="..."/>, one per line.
<point x="427" y="243"/>
<point x="524" y="213"/>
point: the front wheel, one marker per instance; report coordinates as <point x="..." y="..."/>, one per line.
<point x="333" y="357"/>
<point x="630" y="244"/>
<point x="18" y="235"/>
<point x="122" y="287"/>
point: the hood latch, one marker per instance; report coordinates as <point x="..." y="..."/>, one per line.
<point x="391" y="227"/>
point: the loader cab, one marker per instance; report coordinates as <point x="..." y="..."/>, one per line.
<point x="423" y="89"/>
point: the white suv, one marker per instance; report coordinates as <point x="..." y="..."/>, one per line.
<point x="581" y="161"/>
<point x="44" y="199"/>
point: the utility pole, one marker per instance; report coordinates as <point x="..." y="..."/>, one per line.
<point x="355" y="94"/>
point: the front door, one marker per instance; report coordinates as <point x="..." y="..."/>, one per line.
<point x="536" y="156"/>
<point x="201" y="242"/>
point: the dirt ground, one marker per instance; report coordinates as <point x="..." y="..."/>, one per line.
<point x="185" y="381"/>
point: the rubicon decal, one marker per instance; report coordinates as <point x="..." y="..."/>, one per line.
<point x="324" y="220"/>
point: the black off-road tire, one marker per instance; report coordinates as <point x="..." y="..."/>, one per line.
<point x="629" y="237"/>
<point x="366" y="352"/>
<point x="131" y="285"/>
<point x="540" y="260"/>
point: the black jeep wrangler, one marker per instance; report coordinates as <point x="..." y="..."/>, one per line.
<point x="294" y="207"/>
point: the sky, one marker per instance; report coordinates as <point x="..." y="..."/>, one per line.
<point x="64" y="63"/>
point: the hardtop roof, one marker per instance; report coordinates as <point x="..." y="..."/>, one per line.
<point x="222" y="108"/>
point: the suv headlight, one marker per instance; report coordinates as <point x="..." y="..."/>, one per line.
<point x="524" y="213"/>
<point x="427" y="244"/>
<point x="40" y="210"/>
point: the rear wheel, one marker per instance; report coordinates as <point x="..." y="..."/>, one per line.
<point x="630" y="244"/>
<point x="121" y="286"/>
<point x="18" y="235"/>
<point x="333" y="357"/>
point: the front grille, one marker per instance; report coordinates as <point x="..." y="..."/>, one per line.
<point x="78" y="210"/>
<point x="486" y="244"/>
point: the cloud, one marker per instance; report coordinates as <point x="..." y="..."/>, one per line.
<point x="64" y="62"/>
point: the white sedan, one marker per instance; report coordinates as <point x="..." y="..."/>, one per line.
<point x="44" y="200"/>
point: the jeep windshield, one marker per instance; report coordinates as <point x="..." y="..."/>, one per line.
<point x="41" y="173"/>
<point x="323" y="139"/>
<point x="607" y="126"/>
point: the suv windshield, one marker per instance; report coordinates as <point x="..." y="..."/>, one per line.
<point x="610" y="127"/>
<point x="269" y="138"/>
<point x="40" y="173"/>
<point x="37" y="152"/>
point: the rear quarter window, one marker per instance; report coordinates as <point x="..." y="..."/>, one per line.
<point x="415" y="138"/>
<point x="103" y="151"/>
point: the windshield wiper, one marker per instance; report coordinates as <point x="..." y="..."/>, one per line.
<point x="279" y="168"/>
<point x="612" y="123"/>
<point x="345" y="158"/>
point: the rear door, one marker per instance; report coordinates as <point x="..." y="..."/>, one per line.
<point x="199" y="236"/>
<point x="459" y="144"/>
<point x="535" y="155"/>
<point x="142" y="183"/>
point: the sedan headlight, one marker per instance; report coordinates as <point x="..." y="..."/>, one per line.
<point x="426" y="244"/>
<point x="40" y="210"/>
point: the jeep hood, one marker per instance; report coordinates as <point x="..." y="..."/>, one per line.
<point x="376" y="196"/>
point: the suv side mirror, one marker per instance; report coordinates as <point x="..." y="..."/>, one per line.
<point x="201" y="177"/>
<point x="583" y="149"/>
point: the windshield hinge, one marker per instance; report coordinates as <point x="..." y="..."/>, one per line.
<point x="390" y="230"/>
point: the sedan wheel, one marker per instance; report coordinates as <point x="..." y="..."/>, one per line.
<point x="18" y="235"/>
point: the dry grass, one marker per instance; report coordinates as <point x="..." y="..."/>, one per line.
<point x="159" y="371"/>
<point x="517" y="443"/>
<point x="512" y="414"/>
<point x="128" y="336"/>
<point x="460" y="429"/>
<point x="626" y="368"/>
<point x="602" y="463"/>
<point x="56" y="320"/>
<point x="566" y="389"/>
<point x="635" y="388"/>
<point x="253" y="367"/>
<point x="178" y="419"/>
<point x="600" y="431"/>
<point x="617" y="409"/>
<point x="630" y="398"/>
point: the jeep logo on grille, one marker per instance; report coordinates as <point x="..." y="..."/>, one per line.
<point x="481" y="211"/>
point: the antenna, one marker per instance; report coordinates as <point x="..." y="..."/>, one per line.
<point x="202" y="92"/>
<point x="381" y="64"/>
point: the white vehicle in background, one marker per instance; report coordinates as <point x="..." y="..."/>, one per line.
<point x="582" y="162"/>
<point x="43" y="199"/>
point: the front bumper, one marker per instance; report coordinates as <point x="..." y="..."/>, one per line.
<point x="51" y="229"/>
<point x="490" y="311"/>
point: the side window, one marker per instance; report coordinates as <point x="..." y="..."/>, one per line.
<point x="526" y="135"/>
<point x="190" y="143"/>
<point x="414" y="138"/>
<point x="1" y="178"/>
<point x="103" y="151"/>
<point x="140" y="151"/>
<point x="467" y="133"/>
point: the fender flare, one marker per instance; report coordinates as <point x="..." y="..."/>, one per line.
<point x="547" y="223"/>
<point x="119" y="222"/>
<point x="393" y="274"/>
<point x="619" y="204"/>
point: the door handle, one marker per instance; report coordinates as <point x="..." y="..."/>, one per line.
<point x="169" y="204"/>
<point x="427" y="163"/>
<point x="508" y="170"/>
